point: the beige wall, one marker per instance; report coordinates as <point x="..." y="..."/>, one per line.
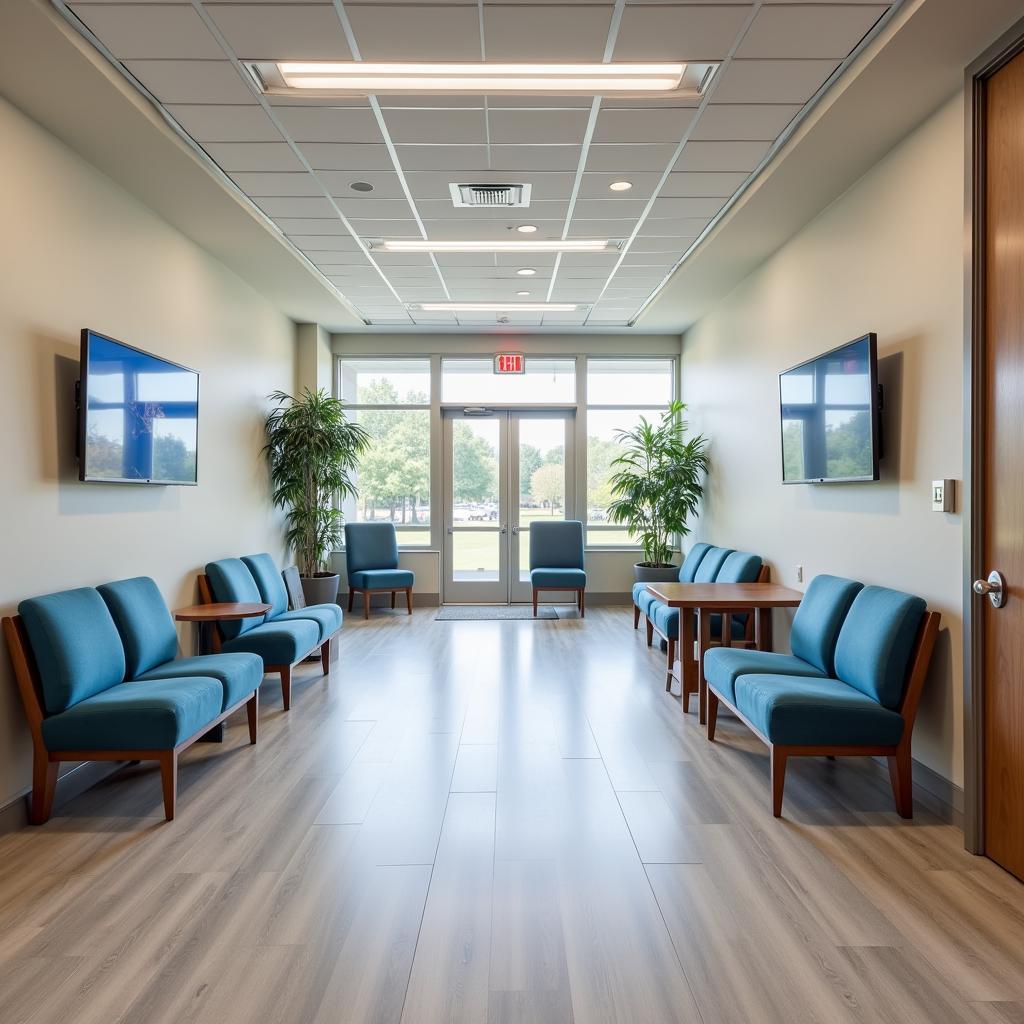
<point x="885" y="257"/>
<point x="79" y="251"/>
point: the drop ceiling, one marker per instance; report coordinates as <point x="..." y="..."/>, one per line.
<point x="296" y="158"/>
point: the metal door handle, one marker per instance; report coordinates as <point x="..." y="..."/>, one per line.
<point x="504" y="529"/>
<point x="994" y="587"/>
<point x="451" y="529"/>
<point x="515" y="529"/>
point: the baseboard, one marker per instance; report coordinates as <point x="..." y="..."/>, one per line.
<point x="940" y="796"/>
<point x="383" y="600"/>
<point x="80" y="778"/>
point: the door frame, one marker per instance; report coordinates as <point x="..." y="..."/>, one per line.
<point x="1008" y="46"/>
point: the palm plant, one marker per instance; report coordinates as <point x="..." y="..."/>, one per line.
<point x="312" y="449"/>
<point x="658" y="482"/>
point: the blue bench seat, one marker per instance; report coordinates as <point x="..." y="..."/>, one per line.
<point x="724" y="665"/>
<point x="239" y="675"/>
<point x="272" y="590"/>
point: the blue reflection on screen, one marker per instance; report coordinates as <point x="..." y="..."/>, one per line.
<point x="141" y="416"/>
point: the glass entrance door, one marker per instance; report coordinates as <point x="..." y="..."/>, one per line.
<point x="504" y="470"/>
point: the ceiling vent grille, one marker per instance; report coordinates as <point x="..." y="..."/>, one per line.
<point x="488" y="194"/>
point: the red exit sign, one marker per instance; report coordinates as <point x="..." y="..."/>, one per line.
<point x="509" y="362"/>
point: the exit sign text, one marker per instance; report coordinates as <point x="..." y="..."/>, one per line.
<point x="509" y="362"/>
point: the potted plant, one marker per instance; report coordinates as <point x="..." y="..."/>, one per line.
<point x="657" y="485"/>
<point x="312" y="450"/>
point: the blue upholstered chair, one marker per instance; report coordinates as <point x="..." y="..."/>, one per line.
<point x="371" y="563"/>
<point x="281" y="644"/>
<point x="851" y="686"/>
<point x="268" y="578"/>
<point x="556" y="559"/>
<point x="70" y="666"/>
<point x="643" y="598"/>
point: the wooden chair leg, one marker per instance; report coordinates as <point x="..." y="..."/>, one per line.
<point x="535" y="602"/>
<point x="650" y="633"/>
<point x="712" y="714"/>
<point x="686" y="691"/>
<point x="366" y="604"/>
<point x="901" y="777"/>
<point x="583" y="604"/>
<point x="408" y="600"/>
<point x="671" y="662"/>
<point x="351" y="599"/>
<point x="252" y="712"/>
<point x="325" y="655"/>
<point x="393" y="599"/>
<point x="286" y="686"/>
<point x="44" y="785"/>
<point x="636" y="616"/>
<point x="169" y="779"/>
<point x="778" y="756"/>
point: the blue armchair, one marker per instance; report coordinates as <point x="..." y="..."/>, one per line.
<point x="371" y="562"/>
<point x="556" y="559"/>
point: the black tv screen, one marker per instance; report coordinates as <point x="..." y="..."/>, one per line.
<point x="830" y="423"/>
<point x="138" y="415"/>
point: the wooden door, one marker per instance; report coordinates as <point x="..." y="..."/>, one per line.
<point x="1003" y="500"/>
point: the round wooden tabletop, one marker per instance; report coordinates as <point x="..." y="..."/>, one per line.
<point x="221" y="611"/>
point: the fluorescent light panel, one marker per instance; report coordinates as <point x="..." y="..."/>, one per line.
<point x="560" y="79"/>
<point x="498" y="307"/>
<point x="496" y="245"/>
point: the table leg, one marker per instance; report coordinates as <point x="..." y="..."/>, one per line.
<point x="762" y="629"/>
<point x="203" y="646"/>
<point x="685" y="667"/>
<point x="703" y="645"/>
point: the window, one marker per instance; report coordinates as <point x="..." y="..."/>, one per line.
<point x="391" y="399"/>
<point x="546" y="381"/>
<point x="619" y="393"/>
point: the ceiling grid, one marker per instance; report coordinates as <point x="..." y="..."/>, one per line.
<point x="298" y="157"/>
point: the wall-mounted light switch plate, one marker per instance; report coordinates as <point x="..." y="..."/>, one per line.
<point x="799" y="574"/>
<point x="942" y="495"/>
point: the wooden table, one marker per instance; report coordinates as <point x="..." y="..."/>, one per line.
<point x="704" y="599"/>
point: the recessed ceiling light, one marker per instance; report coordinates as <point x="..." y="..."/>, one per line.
<point x="365" y="77"/>
<point x="522" y="293"/>
<point x="526" y="229"/>
<point x="526" y="272"/>
<point x="621" y="186"/>
<point x="496" y="245"/>
<point x="499" y="307"/>
<point x="361" y="186"/>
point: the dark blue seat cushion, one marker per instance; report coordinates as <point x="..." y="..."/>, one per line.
<point x="688" y="570"/>
<point x="76" y="645"/>
<point x="326" y="616"/>
<point x="876" y="641"/>
<point x="798" y="711"/>
<point x="710" y="564"/>
<point x="239" y="674"/>
<point x="381" y="579"/>
<point x="230" y="580"/>
<point x="154" y="715"/>
<point x="571" y="579"/>
<point x="277" y="643"/>
<point x="724" y="665"/>
<point x="667" y="621"/>
<point x="643" y="598"/>
<point x="146" y="627"/>
<point x="819" y="618"/>
<point x="370" y="546"/>
<point x="268" y="579"/>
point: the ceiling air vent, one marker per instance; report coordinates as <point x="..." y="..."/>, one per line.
<point x="490" y="195"/>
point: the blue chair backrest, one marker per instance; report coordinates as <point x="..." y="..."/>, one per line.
<point x="370" y="546"/>
<point x="876" y="641"/>
<point x="819" y="618"/>
<point x="143" y="621"/>
<point x="739" y="567"/>
<point x="270" y="582"/>
<point x="713" y="560"/>
<point x="76" y="646"/>
<point x="230" y="580"/>
<point x="692" y="561"/>
<point x="556" y="545"/>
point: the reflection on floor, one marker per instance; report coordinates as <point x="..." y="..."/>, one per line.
<point x="505" y="822"/>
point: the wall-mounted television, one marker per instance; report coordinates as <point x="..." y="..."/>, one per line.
<point x="830" y="405"/>
<point x="138" y="416"/>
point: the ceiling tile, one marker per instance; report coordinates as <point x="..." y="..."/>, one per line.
<point x="441" y="158"/>
<point x="609" y="209"/>
<point x="831" y="30"/>
<point x="211" y="122"/>
<point x="595" y="186"/>
<point x="697" y="184"/>
<point x="721" y="156"/>
<point x="663" y="124"/>
<point x="191" y="81"/>
<point x="753" y="121"/>
<point x="385" y="228"/>
<point x="772" y="81"/>
<point x="687" y="207"/>
<point x="683" y="32"/>
<point x="324" y="243"/>
<point x="373" y="209"/>
<point x="282" y="31"/>
<point x="312" y="226"/>
<point x="536" y="127"/>
<point x="588" y="260"/>
<point x="341" y="156"/>
<point x="540" y="261"/>
<point x="546" y="32"/>
<point x="540" y="158"/>
<point x="672" y="227"/>
<point x="538" y="210"/>
<point x="330" y="124"/>
<point x="612" y="229"/>
<point x="274" y="184"/>
<point x="424" y="33"/>
<point x="484" y="230"/>
<point x="150" y="30"/>
<point x="454" y="126"/>
<point x="296" y="206"/>
<point x="386" y="184"/>
<point x="623" y="159"/>
<point x="254" y="156"/>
